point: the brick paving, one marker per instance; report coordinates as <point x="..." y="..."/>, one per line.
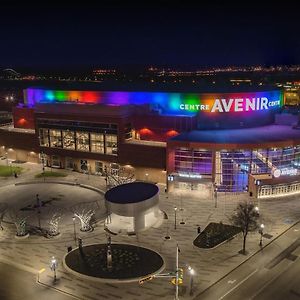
<point x="35" y="252"/>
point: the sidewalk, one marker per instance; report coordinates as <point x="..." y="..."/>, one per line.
<point x="209" y="265"/>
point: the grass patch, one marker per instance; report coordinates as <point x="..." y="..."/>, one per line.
<point x="6" y="171"/>
<point x="50" y="174"/>
<point x="215" y="234"/>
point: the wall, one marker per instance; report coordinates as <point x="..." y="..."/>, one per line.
<point x="23" y="117"/>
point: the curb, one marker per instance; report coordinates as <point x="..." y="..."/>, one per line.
<point x="85" y="186"/>
<point x="254" y="253"/>
<point x="18" y="266"/>
<point x="111" y="280"/>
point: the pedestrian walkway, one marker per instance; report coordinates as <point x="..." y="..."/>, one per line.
<point x="193" y="210"/>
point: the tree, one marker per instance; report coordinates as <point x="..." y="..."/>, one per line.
<point x="55" y="214"/>
<point x="3" y="208"/>
<point x="115" y="178"/>
<point x="19" y="218"/>
<point x="84" y="212"/>
<point x="245" y="217"/>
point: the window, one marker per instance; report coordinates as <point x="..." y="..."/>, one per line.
<point x="82" y="141"/>
<point x="111" y="144"/>
<point x="44" y="137"/>
<point x="68" y="139"/>
<point x="114" y="169"/>
<point x="55" y="138"/>
<point x="99" y="168"/>
<point x="69" y="163"/>
<point x="97" y="142"/>
<point x="84" y="165"/>
<point x="55" y="161"/>
<point x="128" y="131"/>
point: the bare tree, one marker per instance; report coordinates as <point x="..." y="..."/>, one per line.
<point x="55" y="214"/>
<point x="84" y="212"/>
<point x="115" y="178"/>
<point x="19" y="218"/>
<point x="245" y="217"/>
<point x="3" y="208"/>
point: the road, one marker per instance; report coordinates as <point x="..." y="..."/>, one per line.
<point x="270" y="274"/>
<point x="285" y="286"/>
<point x="17" y="284"/>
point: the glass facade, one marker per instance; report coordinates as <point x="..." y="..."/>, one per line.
<point x="82" y="141"/>
<point x="68" y="139"/>
<point x="44" y="137"/>
<point x="55" y="138"/>
<point x="105" y="143"/>
<point x="111" y="144"/>
<point x="97" y="142"/>
<point x="232" y="167"/>
<point x="193" y="161"/>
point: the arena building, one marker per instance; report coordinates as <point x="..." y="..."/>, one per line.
<point x="234" y="142"/>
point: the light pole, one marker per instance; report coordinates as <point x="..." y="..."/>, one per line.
<point x="10" y="167"/>
<point x="175" y="215"/>
<point x="261" y="231"/>
<point x="53" y="267"/>
<point x="74" y="226"/>
<point x="38" y="203"/>
<point x="177" y="270"/>
<point x="216" y="196"/>
<point x="6" y="155"/>
<point x="192" y="272"/>
<point x="43" y="164"/>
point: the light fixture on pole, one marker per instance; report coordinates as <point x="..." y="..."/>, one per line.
<point x="74" y="226"/>
<point x="192" y="273"/>
<point x="261" y="231"/>
<point x="175" y="215"/>
<point x="53" y="267"/>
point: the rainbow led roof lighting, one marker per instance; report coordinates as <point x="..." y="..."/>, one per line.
<point x="165" y="103"/>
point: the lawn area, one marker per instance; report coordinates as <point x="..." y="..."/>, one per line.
<point x="50" y="174"/>
<point x="215" y="234"/>
<point x="6" y="171"/>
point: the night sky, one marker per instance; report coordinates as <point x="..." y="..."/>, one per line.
<point x="169" y="34"/>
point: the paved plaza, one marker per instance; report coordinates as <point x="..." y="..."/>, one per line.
<point x="194" y="209"/>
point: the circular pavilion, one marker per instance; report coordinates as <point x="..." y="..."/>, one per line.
<point x="132" y="207"/>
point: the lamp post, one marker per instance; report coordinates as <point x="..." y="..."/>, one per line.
<point x="192" y="272"/>
<point x="261" y="231"/>
<point x="53" y="267"/>
<point x="74" y="226"/>
<point x="88" y="171"/>
<point x="175" y="215"/>
<point x="10" y="166"/>
<point x="216" y="196"/>
<point x="38" y="204"/>
<point x="6" y="155"/>
<point x="43" y="164"/>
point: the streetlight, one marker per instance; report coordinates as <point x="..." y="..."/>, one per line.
<point x="6" y="154"/>
<point x="261" y="231"/>
<point x="38" y="203"/>
<point x="10" y="166"/>
<point x="192" y="273"/>
<point x="175" y="215"/>
<point x="53" y="267"/>
<point x="74" y="226"/>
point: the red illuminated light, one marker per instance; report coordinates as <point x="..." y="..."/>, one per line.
<point x="22" y="121"/>
<point x="172" y="132"/>
<point x="145" y="131"/>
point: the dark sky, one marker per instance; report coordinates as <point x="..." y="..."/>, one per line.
<point x="166" y="33"/>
